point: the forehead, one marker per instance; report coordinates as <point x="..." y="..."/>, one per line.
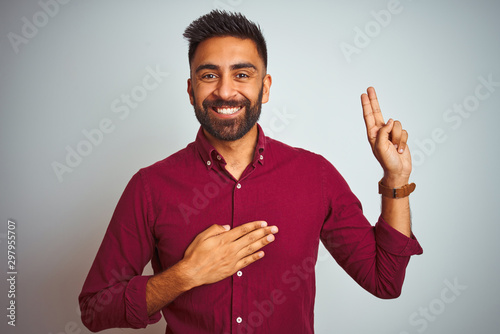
<point x="225" y="51"/>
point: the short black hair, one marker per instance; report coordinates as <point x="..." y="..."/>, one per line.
<point x="219" y="23"/>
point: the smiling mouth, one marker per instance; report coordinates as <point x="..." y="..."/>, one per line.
<point x="226" y="110"/>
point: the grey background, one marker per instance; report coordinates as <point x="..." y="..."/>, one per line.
<point x="429" y="57"/>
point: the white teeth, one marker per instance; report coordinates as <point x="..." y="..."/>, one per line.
<point x="227" y="111"/>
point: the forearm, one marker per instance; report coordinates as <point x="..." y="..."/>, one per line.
<point x="396" y="211"/>
<point x="164" y="287"/>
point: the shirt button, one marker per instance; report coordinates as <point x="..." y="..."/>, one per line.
<point x="239" y="273"/>
<point x="239" y="320"/>
<point x="209" y="163"/>
<point x="261" y="157"/>
<point x="238" y="186"/>
<point x="219" y="157"/>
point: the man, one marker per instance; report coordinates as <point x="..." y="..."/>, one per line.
<point x="208" y="216"/>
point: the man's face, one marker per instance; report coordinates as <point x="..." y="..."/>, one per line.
<point x="227" y="87"/>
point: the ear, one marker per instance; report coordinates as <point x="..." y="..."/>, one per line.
<point x="190" y="91"/>
<point x="266" y="88"/>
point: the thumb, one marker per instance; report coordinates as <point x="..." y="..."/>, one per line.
<point x="213" y="231"/>
<point x="221" y="229"/>
<point x="218" y="229"/>
<point x="385" y="131"/>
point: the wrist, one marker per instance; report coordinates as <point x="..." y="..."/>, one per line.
<point x="395" y="188"/>
<point x="185" y="275"/>
<point x="395" y="181"/>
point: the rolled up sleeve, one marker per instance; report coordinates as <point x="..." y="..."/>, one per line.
<point x="394" y="242"/>
<point x="114" y="293"/>
<point x="376" y="257"/>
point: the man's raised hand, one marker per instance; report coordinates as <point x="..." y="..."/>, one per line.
<point x="387" y="140"/>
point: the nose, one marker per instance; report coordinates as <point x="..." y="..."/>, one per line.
<point x="225" y="88"/>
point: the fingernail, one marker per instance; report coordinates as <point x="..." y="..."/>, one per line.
<point x="396" y="146"/>
<point x="400" y="150"/>
<point x="226" y="227"/>
<point x="263" y="224"/>
<point x="274" y="229"/>
<point x="261" y="254"/>
<point x="270" y="237"/>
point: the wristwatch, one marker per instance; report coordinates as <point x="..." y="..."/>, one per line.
<point x="396" y="192"/>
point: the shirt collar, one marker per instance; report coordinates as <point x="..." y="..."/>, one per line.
<point x="209" y="154"/>
<point x="259" y="148"/>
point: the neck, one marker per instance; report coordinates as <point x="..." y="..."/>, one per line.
<point x="238" y="153"/>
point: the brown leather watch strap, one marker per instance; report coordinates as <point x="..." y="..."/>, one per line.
<point x="396" y="192"/>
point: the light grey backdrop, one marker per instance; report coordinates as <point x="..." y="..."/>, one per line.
<point x="67" y="66"/>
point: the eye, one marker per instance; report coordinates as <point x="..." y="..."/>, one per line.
<point x="242" y="76"/>
<point x="208" y="76"/>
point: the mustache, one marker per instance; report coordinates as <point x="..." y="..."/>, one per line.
<point x="225" y="103"/>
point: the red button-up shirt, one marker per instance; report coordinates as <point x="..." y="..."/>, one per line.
<point x="166" y="205"/>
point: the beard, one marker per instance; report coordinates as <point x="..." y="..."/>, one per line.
<point x="228" y="129"/>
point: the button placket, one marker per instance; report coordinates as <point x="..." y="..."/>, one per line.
<point x="239" y="302"/>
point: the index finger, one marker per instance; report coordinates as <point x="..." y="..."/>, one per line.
<point x="375" y="107"/>
<point x="244" y="229"/>
<point x="367" y="112"/>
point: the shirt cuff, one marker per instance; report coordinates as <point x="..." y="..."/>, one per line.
<point x="395" y="242"/>
<point x="136" y="309"/>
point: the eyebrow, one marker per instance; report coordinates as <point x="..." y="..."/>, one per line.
<point x="233" y="67"/>
<point x="243" y="65"/>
